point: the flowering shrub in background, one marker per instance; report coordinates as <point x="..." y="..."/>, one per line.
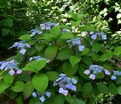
<point x="62" y="64"/>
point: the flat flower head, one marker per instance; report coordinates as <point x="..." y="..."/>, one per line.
<point x="48" y="94"/>
<point x="70" y="86"/>
<point x="94" y="37"/>
<point x="113" y="77"/>
<point x="42" y="99"/>
<point x="104" y="37"/>
<point x="107" y="72"/>
<point x="92" y="76"/>
<point x="42" y="26"/>
<point x="11" y="72"/>
<point x="23" y="51"/>
<point x="19" y="71"/>
<point x="74" y="81"/>
<point x="81" y="47"/>
<point x="34" y="94"/>
<point x="62" y="91"/>
<point x="87" y="72"/>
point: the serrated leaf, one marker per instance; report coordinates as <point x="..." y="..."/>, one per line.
<point x="18" y="86"/>
<point x="74" y="60"/>
<point x="28" y="89"/>
<point x="50" y="52"/>
<point x="35" y="66"/>
<point x="40" y="82"/>
<point x="102" y="88"/>
<point x="113" y="88"/>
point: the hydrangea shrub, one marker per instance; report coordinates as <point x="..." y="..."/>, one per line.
<point x="62" y="64"/>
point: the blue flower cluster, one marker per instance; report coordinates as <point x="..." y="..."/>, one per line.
<point x="94" y="35"/>
<point x="43" y="26"/>
<point x="94" y="70"/>
<point x="38" y="58"/>
<point x="11" y="66"/>
<point x="115" y="74"/>
<point x="35" y="31"/>
<point x="65" y="83"/>
<point x="41" y="96"/>
<point x="77" y="41"/>
<point x="21" y="45"/>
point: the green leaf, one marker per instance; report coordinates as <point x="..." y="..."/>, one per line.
<point x="50" y="52"/>
<point x="66" y="35"/>
<point x="102" y="88"/>
<point x="35" y="66"/>
<point x="77" y="101"/>
<point x="19" y="100"/>
<point x="87" y="88"/>
<point x="52" y="75"/>
<point x="3" y="87"/>
<point x="96" y="47"/>
<point x="64" y="54"/>
<point x="113" y="88"/>
<point x="117" y="51"/>
<point x="74" y="100"/>
<point x="107" y="55"/>
<point x="18" y="86"/>
<point x="59" y="99"/>
<point x="100" y="75"/>
<point x="119" y="90"/>
<point x="85" y="51"/>
<point x="88" y="27"/>
<point x="8" y="79"/>
<point x="28" y="89"/>
<point x="40" y="82"/>
<point x="68" y="69"/>
<point x="25" y="37"/>
<point x="74" y="60"/>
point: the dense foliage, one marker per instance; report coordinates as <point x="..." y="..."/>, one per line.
<point x="70" y="52"/>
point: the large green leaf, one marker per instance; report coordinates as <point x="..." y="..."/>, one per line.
<point x="25" y="37"/>
<point x="74" y="100"/>
<point x="102" y="88"/>
<point x="117" y="51"/>
<point x="59" y="99"/>
<point x="113" y="88"/>
<point x="35" y="66"/>
<point x="64" y="54"/>
<point x="3" y="87"/>
<point x="8" y="79"/>
<point x="50" y="52"/>
<point x="87" y="89"/>
<point x="68" y="69"/>
<point x="66" y="35"/>
<point x="52" y="75"/>
<point x="40" y="82"/>
<point x="74" y="60"/>
<point x="18" y="86"/>
<point x="28" y="89"/>
<point x="107" y="55"/>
